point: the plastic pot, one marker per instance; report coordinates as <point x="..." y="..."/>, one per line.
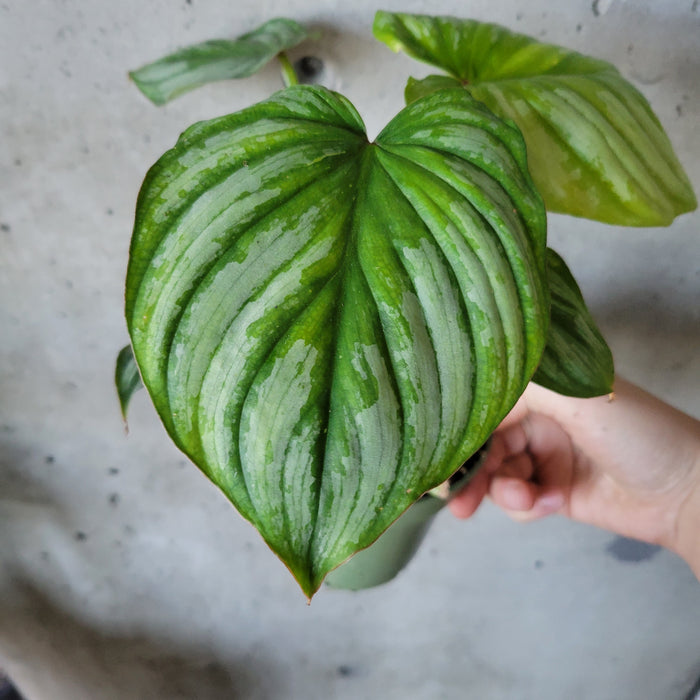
<point x="382" y="560"/>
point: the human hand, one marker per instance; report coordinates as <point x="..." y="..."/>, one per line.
<point x="627" y="463"/>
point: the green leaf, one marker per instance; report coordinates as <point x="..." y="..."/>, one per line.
<point x="576" y="361"/>
<point x="126" y="378"/>
<point x="415" y="89"/>
<point x="595" y="148"/>
<point x="329" y="327"/>
<point x="219" y="59"/>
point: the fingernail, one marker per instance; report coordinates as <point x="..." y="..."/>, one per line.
<point x="550" y="503"/>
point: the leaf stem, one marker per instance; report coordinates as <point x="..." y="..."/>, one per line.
<point x="289" y="75"/>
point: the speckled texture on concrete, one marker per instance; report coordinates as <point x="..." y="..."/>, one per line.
<point x="124" y="573"/>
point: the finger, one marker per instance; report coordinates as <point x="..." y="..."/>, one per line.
<point x="548" y="503"/>
<point x="512" y="439"/>
<point x="525" y="501"/>
<point x="545" y="503"/>
<point x="505" y="452"/>
<point x="513" y="494"/>
<point x="495" y="454"/>
<point x="519" y="467"/>
<point x="553" y="454"/>
<point x="505" y="443"/>
<point x="464" y="504"/>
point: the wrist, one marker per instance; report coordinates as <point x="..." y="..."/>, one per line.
<point x="687" y="533"/>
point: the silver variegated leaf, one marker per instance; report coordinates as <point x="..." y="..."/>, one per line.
<point x="217" y="59"/>
<point x="595" y="147"/>
<point x="576" y="360"/>
<point x="330" y="327"/>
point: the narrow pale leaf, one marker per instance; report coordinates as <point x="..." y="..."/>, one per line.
<point x="576" y="361"/>
<point x="218" y="59"/>
<point x="595" y="148"/>
<point x="126" y="378"/>
<point x="329" y="327"/>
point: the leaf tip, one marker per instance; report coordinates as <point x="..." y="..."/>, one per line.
<point x="127" y="380"/>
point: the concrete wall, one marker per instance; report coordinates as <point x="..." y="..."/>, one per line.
<point x="124" y="573"/>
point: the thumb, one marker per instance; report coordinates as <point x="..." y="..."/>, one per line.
<point x="525" y="501"/>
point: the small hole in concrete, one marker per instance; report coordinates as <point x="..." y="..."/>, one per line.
<point x="309" y="69"/>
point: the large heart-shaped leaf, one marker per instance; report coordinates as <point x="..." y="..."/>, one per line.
<point x="329" y="327"/>
<point x="595" y="148"/>
<point x="218" y="59"/>
<point x="576" y="360"/>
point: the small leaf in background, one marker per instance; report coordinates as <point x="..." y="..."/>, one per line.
<point x="219" y="59"/>
<point x="328" y="327"/>
<point x="576" y="361"/>
<point x="595" y="148"/>
<point x="126" y="378"/>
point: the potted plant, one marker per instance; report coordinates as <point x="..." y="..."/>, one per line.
<point x="329" y="328"/>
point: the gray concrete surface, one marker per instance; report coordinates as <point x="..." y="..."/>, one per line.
<point x="124" y="573"/>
